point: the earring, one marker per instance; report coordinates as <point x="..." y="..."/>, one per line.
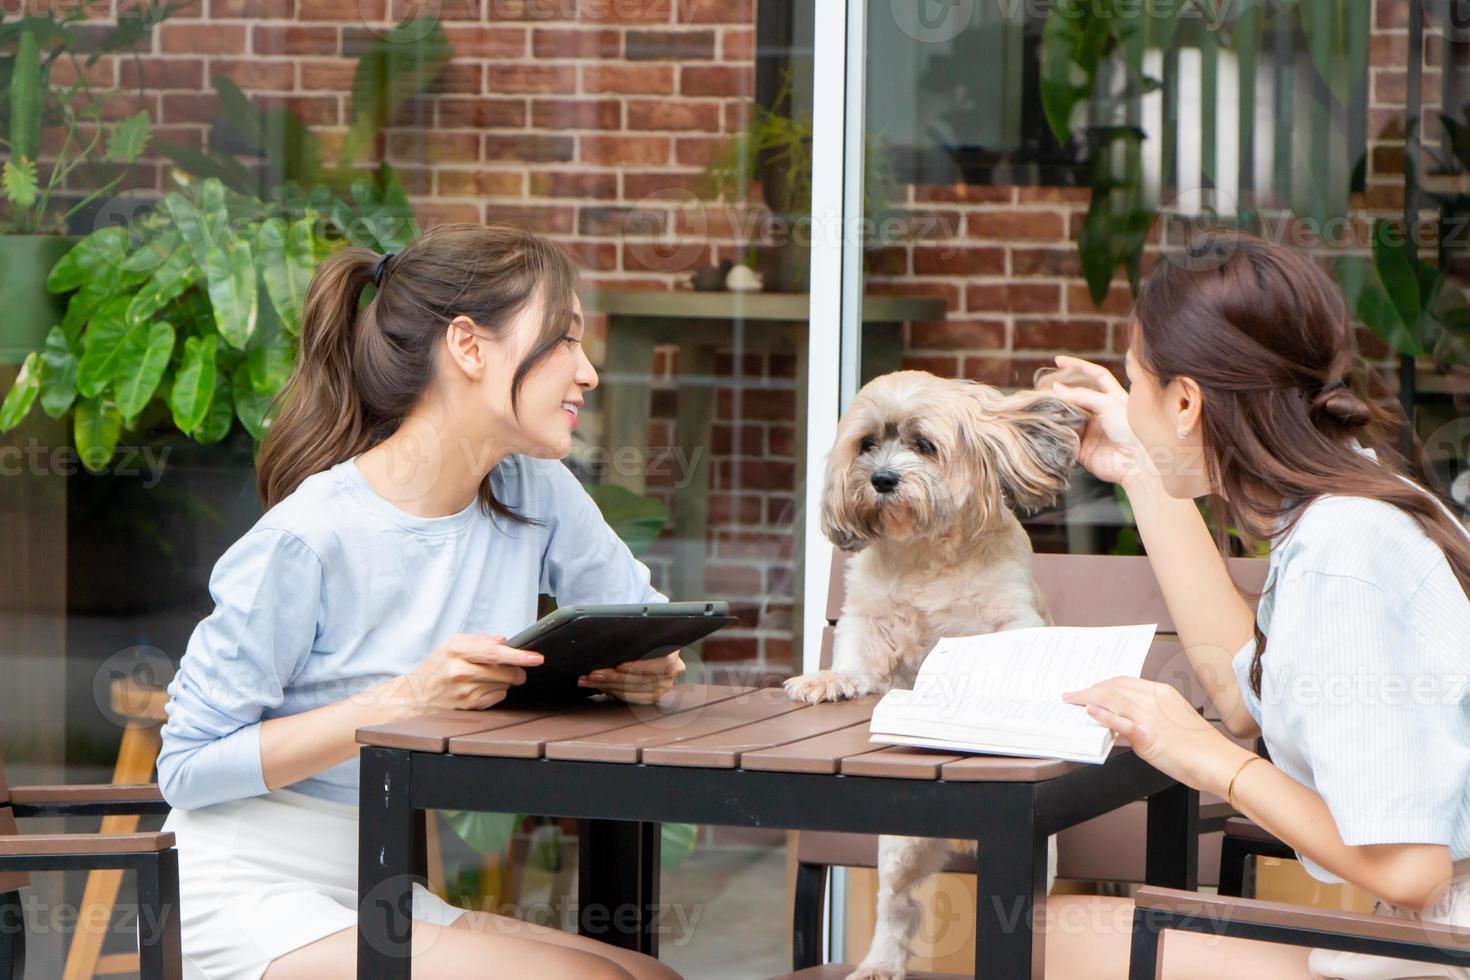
<point x="1182" y="432"/>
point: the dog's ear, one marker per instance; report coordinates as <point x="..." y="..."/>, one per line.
<point x="1032" y="438"/>
<point x="839" y="523"/>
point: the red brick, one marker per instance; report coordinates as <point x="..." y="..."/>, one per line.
<point x="729" y="508"/>
<point x="1054" y="195"/>
<point x="542" y="220"/>
<point x="486" y="42"/>
<point x="573" y="183"/>
<point x="401" y="10"/>
<point x="431" y="213"/>
<point x="964" y="193"/>
<point x="613" y="150"/>
<point x="944" y="367"/>
<point x="189" y="107"/>
<point x="569" y="43"/>
<point x="257" y="74"/>
<point x="530" y="10"/>
<point x="736" y="440"/>
<point x="1392" y="14"/>
<point x="624" y="11"/>
<point x="670" y="45"/>
<point x="775" y="405"/>
<point x="251" y="10"/>
<point x="621" y="221"/>
<point x="1389" y="50"/>
<point x="957" y="260"/>
<point x="726" y="647"/>
<point x="1078" y="335"/>
<point x="434" y="147"/>
<point x="460" y="78"/>
<point x="674" y="186"/>
<point x="529" y="147"/>
<point x="476" y="183"/>
<point x="958" y="334"/>
<point x="103" y="74"/>
<point x="727" y="80"/>
<point x="593" y="255"/>
<point x="530" y="78"/>
<point x="1045" y="262"/>
<point x="343" y="11"/>
<point x="313" y="110"/>
<point x="1013" y="297"/>
<point x="715" y="11"/>
<point x="886" y="261"/>
<point x="161" y="73"/>
<point x="781" y="440"/>
<point x="1117" y="303"/>
<point x="1003" y="371"/>
<point x="670" y="114"/>
<point x="482" y="113"/>
<point x="294" y="39"/>
<point x="628" y="79"/>
<point x="415" y="180"/>
<point x="576" y="114"/>
<point x="694" y="151"/>
<point x="202" y="38"/>
<point x="737" y="44"/>
<point x="1012" y="226"/>
<point x="644" y="254"/>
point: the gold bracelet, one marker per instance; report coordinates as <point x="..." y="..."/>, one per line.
<point x="1230" y="789"/>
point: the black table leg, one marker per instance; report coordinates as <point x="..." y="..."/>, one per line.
<point x="1011" y="884"/>
<point x="1172" y="856"/>
<point x="159" y="946"/>
<point x="12" y="936"/>
<point x="387" y="850"/>
<point x="618" y="883"/>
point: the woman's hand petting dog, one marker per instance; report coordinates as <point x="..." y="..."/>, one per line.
<point x="1109" y="449"/>
<point x="638" y="681"/>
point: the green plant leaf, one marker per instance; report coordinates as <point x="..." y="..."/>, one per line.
<point x="190" y="224"/>
<point x="253" y="408"/>
<point x="193" y="387"/>
<point x="59" y="380"/>
<point x="22" y="394"/>
<point x="99" y="257"/>
<point x="19" y="179"/>
<point x="270" y="358"/>
<point x="288" y="262"/>
<point x="233" y="292"/>
<point x="396" y="68"/>
<point x="635" y="518"/>
<point x="129" y="138"/>
<point x="227" y="169"/>
<point x="153" y="253"/>
<point x="83" y="304"/>
<point x="105" y="331"/>
<point x="1072" y="41"/>
<point x="1395" y="267"/>
<point x="220" y="416"/>
<point x="1337" y="36"/>
<point x="96" y="429"/>
<point x="169" y="280"/>
<point x="142" y="358"/>
<point x="27" y="98"/>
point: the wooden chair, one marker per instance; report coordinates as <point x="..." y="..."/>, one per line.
<point x="151" y="856"/>
<point x="1159" y="909"/>
<point x="1080" y="590"/>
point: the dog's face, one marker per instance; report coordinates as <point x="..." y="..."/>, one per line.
<point x="914" y="452"/>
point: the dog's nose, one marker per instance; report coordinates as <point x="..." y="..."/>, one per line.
<point x="885" y="480"/>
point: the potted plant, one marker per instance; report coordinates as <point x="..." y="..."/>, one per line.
<point x="35" y="228"/>
<point x="775" y="150"/>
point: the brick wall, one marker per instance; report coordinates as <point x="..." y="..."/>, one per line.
<point x="591" y="121"/>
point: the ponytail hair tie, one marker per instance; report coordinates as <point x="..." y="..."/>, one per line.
<point x="378" y="269"/>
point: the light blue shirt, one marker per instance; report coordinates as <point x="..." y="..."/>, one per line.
<point x="336" y="590"/>
<point x="1364" y="680"/>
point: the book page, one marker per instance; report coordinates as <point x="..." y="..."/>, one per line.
<point x="1038" y="664"/>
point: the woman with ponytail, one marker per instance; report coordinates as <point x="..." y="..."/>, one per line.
<point x="1245" y="384"/>
<point x="417" y="505"/>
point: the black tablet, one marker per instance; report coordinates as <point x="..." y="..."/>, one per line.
<point x="576" y="640"/>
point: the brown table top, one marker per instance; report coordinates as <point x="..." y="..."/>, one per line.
<point x="704" y="726"/>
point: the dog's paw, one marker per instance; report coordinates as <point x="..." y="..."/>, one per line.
<point x="827" y="685"/>
<point x="878" y="971"/>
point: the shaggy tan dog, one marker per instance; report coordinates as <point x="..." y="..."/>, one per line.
<point x="919" y="484"/>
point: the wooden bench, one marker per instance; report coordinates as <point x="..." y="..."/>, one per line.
<point x="1080" y="590"/>
<point x="151" y="856"/>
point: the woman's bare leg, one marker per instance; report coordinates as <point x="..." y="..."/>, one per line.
<point x="461" y="950"/>
<point x="639" y="966"/>
<point x="1088" y="938"/>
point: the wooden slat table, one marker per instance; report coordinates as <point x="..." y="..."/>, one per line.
<point x="735" y="756"/>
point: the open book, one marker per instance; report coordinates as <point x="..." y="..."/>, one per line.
<point x="1001" y="693"/>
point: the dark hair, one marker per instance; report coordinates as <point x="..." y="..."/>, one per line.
<point x="362" y="368"/>
<point x="1266" y="334"/>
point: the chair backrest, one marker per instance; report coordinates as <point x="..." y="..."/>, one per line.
<point x="1097" y="590"/>
<point x="9" y="880"/>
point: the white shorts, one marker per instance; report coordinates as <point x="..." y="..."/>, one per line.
<point x="1453" y="908"/>
<point x="263" y="876"/>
